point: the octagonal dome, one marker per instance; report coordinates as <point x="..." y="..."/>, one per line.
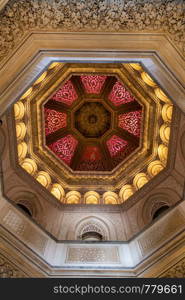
<point x="83" y="114"/>
<point x="94" y="124"/>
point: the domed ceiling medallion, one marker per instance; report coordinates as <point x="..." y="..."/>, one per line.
<point x="92" y="119"/>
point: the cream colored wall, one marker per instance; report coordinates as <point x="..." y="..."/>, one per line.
<point x="148" y="253"/>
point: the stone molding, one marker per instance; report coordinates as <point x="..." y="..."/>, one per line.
<point x="20" y="17"/>
<point x="177" y="271"/>
<point x="2" y="139"/>
<point x="151" y="50"/>
<point x="8" y="270"/>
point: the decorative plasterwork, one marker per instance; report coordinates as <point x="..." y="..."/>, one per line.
<point x="78" y="179"/>
<point x="3" y="3"/>
<point x="143" y="165"/>
<point x="162" y="251"/>
<point x="20" y="17"/>
<point x="8" y="270"/>
<point x="117" y="47"/>
<point x="176" y="271"/>
<point x="92" y="121"/>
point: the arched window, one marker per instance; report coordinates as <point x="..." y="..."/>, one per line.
<point x="92" y="236"/>
<point x="25" y="209"/>
<point x="160" y="211"/>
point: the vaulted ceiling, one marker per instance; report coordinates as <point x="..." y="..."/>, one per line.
<point x="67" y="66"/>
<point x="93" y="128"/>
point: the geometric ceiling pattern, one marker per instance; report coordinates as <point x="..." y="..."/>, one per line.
<point x="93" y="133"/>
<point x="93" y="127"/>
<point x="54" y="120"/>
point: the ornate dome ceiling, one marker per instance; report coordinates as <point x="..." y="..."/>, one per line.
<point x="92" y="122"/>
<point x="93" y="133"/>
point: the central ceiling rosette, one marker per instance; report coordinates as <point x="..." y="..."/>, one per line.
<point x="92" y="120"/>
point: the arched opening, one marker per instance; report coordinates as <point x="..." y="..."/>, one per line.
<point x="25" y="209"/>
<point x="92" y="236"/>
<point x="160" y="211"/>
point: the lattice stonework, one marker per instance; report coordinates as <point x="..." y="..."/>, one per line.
<point x="54" y="120"/>
<point x="93" y="84"/>
<point x="120" y="95"/>
<point x="66" y="94"/>
<point x="64" y="148"/>
<point x="131" y="122"/>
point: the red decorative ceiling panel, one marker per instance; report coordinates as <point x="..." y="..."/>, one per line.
<point x="54" y="120"/>
<point x="120" y="95"/>
<point x="131" y="122"/>
<point x="64" y="148"/>
<point x="66" y="94"/>
<point x="91" y="160"/>
<point x="90" y="121"/>
<point x="91" y="153"/>
<point x="93" y="84"/>
<point x="122" y="155"/>
<point x="116" y="145"/>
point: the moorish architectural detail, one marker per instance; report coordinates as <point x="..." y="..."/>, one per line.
<point x="92" y="255"/>
<point x="92" y="140"/>
<point x="20" y="17"/>
<point x="8" y="270"/>
<point x="177" y="271"/>
<point x="93" y="123"/>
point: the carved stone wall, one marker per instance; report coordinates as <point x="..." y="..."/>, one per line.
<point x="2" y="139"/>
<point x="98" y="255"/>
<point x="17" y="224"/>
<point x="177" y="271"/>
<point x="110" y="224"/>
<point x="161" y="232"/>
<point x="92" y="225"/>
<point x="28" y="199"/>
<point x="3" y="3"/>
<point x="141" y="214"/>
<point x="20" y="17"/>
<point x="183" y="144"/>
<point x="8" y="270"/>
<point x="161" y="197"/>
